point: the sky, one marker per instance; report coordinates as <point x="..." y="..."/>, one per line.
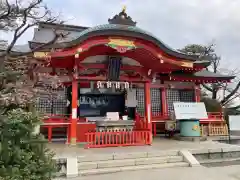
<point x="175" y="22"/>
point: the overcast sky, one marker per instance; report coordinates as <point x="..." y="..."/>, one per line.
<point x="175" y="22"/>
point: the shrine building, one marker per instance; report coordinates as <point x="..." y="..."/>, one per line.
<point x="119" y="70"/>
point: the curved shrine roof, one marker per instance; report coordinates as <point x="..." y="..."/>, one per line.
<point x="120" y="25"/>
<point x="202" y="74"/>
<point x="124" y="30"/>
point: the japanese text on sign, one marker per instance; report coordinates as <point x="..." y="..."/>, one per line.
<point x="110" y="84"/>
<point x="190" y="110"/>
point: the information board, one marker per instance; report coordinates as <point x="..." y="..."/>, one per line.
<point x="234" y="123"/>
<point x="190" y="110"/>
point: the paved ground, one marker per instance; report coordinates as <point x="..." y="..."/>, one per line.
<point x="196" y="173"/>
<point x="159" y="144"/>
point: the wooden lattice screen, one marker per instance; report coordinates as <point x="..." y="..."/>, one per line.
<point x="156" y="101"/>
<point x="140" y="101"/>
<point x="175" y="95"/>
<point x="53" y="103"/>
<point x="172" y="96"/>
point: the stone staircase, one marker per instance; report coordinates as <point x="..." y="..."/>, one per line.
<point x="111" y="163"/>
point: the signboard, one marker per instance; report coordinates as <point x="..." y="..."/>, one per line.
<point x="110" y="84"/>
<point x="190" y="110"/>
<point x="113" y="116"/>
<point x="74" y="113"/>
<point x="234" y="123"/>
<point x="131" y="100"/>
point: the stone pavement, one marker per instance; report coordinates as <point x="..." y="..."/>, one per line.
<point x="159" y="144"/>
<point x="195" y="173"/>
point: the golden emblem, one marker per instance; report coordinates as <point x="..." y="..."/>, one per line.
<point x="195" y="127"/>
<point x="121" y="45"/>
<point x="121" y="42"/>
<point x="41" y="55"/>
<point x="187" y="64"/>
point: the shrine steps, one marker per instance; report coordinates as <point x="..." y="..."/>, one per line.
<point x="129" y="162"/>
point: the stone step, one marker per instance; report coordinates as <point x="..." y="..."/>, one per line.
<point x="131" y="168"/>
<point x="209" y="161"/>
<point x="119" y="156"/>
<point x="128" y="162"/>
<point x="220" y="162"/>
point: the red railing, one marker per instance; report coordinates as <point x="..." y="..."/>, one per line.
<point x="140" y="123"/>
<point x="157" y="119"/>
<point x="55" y="116"/>
<point x="141" y="126"/>
<point x="55" y="121"/>
<point x="160" y="117"/>
<point x="117" y="138"/>
<point x="51" y="121"/>
<point x="215" y="115"/>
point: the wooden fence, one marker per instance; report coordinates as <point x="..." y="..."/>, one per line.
<point x="214" y="130"/>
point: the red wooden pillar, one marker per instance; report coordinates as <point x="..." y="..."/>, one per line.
<point x="148" y="109"/>
<point x="197" y="93"/>
<point x="73" y="125"/>
<point x="164" y="102"/>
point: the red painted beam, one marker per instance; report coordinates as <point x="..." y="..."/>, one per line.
<point x="196" y="79"/>
<point x="93" y="66"/>
<point x="123" y="67"/>
<point x="103" y="78"/>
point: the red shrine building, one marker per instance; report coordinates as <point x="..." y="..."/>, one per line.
<point x="115" y="67"/>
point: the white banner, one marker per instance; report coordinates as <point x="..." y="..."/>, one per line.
<point x="149" y="112"/>
<point x="74" y="113"/>
<point x="234" y="123"/>
<point x="190" y="110"/>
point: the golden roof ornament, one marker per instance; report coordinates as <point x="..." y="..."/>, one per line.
<point x="122" y="18"/>
<point x="124" y="8"/>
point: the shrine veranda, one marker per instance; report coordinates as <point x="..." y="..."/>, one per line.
<point x="116" y="67"/>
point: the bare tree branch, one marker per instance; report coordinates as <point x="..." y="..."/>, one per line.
<point x="25" y="25"/>
<point x="207" y="87"/>
<point x="234" y="91"/>
<point x="235" y="107"/>
<point x="17" y="67"/>
<point x="6" y="13"/>
<point x="208" y="53"/>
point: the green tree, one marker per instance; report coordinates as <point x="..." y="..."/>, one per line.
<point x="23" y="154"/>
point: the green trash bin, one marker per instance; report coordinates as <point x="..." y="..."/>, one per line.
<point x="189" y="128"/>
